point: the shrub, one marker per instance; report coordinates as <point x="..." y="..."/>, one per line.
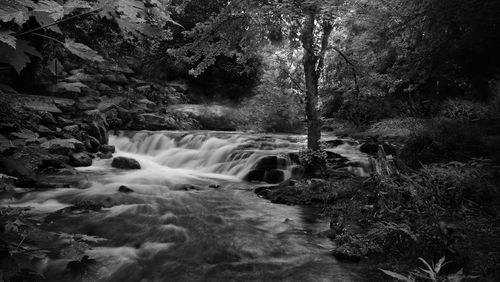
<point x="273" y="111"/>
<point x="365" y="110"/>
<point x="460" y="109"/>
<point x="444" y="141"/>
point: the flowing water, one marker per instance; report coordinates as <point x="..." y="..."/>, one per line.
<point x="191" y="217"/>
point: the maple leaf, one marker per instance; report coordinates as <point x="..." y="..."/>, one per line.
<point x="15" y="10"/>
<point x="8" y="39"/>
<point x="44" y="19"/>
<point x="82" y="51"/>
<point x="74" y="5"/>
<point x="17" y="57"/>
<point x="54" y="9"/>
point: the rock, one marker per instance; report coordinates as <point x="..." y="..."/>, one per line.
<point x="68" y="87"/>
<point x="267" y="163"/>
<point x="138" y="81"/>
<point x="107" y="148"/>
<point x="90" y="92"/>
<point x="81" y="77"/>
<point x="148" y="103"/>
<point x="178" y="86"/>
<point x="75" y="71"/>
<point x="104" y="88"/>
<point x="144" y="88"/>
<point x="187" y="187"/>
<point x="125" y="189"/>
<point x="297" y="170"/>
<point x="60" y="150"/>
<point x="347" y="252"/>
<point x="48" y="118"/>
<point x="119" y="68"/>
<point x="43" y="130"/>
<point x="150" y="121"/>
<point x="116" y="78"/>
<point x="105" y="156"/>
<point x="17" y="169"/>
<point x="87" y="103"/>
<point x="275" y="176"/>
<point x="125" y="163"/>
<point x="99" y="132"/>
<point x="66" y="105"/>
<point x="71" y="128"/>
<point x="92" y="144"/>
<point x="255" y="175"/>
<point x="42" y="106"/>
<point x="80" y="160"/>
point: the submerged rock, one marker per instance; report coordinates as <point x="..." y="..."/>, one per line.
<point x="125" y="163"/>
<point x="125" y="189"/>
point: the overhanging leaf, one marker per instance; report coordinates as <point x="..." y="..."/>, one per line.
<point x="17" y="58"/>
<point x="14" y="10"/>
<point x="44" y="19"/>
<point x="74" y="5"/>
<point x="54" y="9"/>
<point x="8" y="39"/>
<point x="82" y="51"/>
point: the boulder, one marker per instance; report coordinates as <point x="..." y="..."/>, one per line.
<point x="152" y="121"/>
<point x="92" y="144"/>
<point x="125" y="163"/>
<point x="82" y="77"/>
<point x="143" y="88"/>
<point x="107" y="148"/>
<point x="116" y="78"/>
<point x="104" y="88"/>
<point x="68" y="87"/>
<point x="17" y="169"/>
<point x="48" y="118"/>
<point x="297" y="171"/>
<point x="125" y="189"/>
<point x="348" y="252"/>
<point x="42" y="106"/>
<point x="275" y="176"/>
<point x="267" y="163"/>
<point x="71" y="128"/>
<point x="80" y="160"/>
<point x="105" y="156"/>
<point x="87" y="103"/>
<point x="255" y="175"/>
<point x="65" y="105"/>
<point x="98" y="131"/>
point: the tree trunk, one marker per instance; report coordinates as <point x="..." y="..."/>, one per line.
<point x="309" y="61"/>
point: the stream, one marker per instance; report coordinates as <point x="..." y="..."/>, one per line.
<point x="190" y="216"/>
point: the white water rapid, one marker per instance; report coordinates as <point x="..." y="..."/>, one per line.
<point x="189" y="215"/>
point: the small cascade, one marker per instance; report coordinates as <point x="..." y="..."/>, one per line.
<point x="230" y="154"/>
<point x="249" y="157"/>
